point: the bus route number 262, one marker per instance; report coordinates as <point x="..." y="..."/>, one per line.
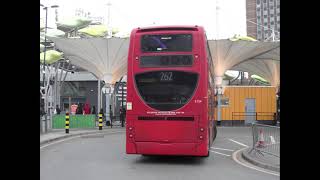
<point x="166" y="76"/>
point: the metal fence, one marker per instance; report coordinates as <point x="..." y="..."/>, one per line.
<point x="269" y="117"/>
<point x="110" y="120"/>
<point x="254" y="115"/>
<point x="266" y="139"/>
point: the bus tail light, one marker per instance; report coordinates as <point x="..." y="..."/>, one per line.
<point x="201" y="129"/>
<point x="201" y="137"/>
<point x="130" y="128"/>
<point x="130" y="135"/>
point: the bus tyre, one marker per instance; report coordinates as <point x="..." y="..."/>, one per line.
<point x="208" y="149"/>
<point x="214" y="133"/>
<point x="208" y="154"/>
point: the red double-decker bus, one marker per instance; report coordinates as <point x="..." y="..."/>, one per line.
<point x="169" y="92"/>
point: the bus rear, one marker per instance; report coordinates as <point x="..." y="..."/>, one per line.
<point x="167" y="86"/>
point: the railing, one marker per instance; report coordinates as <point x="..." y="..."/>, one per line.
<point x="255" y="116"/>
<point x="76" y="121"/>
<point x="266" y="139"/>
<point x="88" y="121"/>
<point x="113" y="120"/>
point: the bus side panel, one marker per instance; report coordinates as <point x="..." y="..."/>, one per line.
<point x="130" y="143"/>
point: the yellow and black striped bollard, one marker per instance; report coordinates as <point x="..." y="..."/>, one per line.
<point x="100" y="121"/>
<point x="67" y="123"/>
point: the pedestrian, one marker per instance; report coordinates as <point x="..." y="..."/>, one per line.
<point x="79" y="109"/>
<point x="42" y="112"/>
<point x="86" y="108"/>
<point x="57" y="110"/>
<point x="73" y="109"/>
<point x="93" y="111"/>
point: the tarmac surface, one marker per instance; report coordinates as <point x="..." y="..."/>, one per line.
<point x="102" y="156"/>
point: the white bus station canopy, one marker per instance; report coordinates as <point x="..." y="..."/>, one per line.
<point x="261" y="58"/>
<point x="106" y="58"/>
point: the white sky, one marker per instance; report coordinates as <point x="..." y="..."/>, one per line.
<point x="128" y="14"/>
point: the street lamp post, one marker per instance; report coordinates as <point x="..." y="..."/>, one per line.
<point x="44" y="57"/>
<point x="108" y="22"/>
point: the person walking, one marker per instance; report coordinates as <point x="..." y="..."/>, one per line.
<point x="86" y="108"/>
<point x="57" y="110"/>
<point x="73" y="109"/>
<point x="93" y="111"/>
<point x="79" y="109"/>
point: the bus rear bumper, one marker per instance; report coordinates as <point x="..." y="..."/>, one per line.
<point x="157" y="148"/>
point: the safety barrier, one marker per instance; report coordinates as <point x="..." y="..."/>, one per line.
<point x="75" y="121"/>
<point x="266" y="139"/>
<point x="269" y="117"/>
<point x="112" y="120"/>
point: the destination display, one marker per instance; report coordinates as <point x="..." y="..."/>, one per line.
<point x="166" y="61"/>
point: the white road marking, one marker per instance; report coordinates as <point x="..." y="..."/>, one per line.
<point x="222" y="149"/>
<point x="219" y="153"/>
<point x="248" y="166"/>
<point x="238" y="143"/>
<point x="73" y="137"/>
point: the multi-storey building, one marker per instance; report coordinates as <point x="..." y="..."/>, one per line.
<point x="263" y="19"/>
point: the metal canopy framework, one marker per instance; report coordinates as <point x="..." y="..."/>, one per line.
<point x="261" y="58"/>
<point x="269" y="69"/>
<point x="106" y="58"/>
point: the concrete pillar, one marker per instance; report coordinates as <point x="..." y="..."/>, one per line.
<point x="108" y="103"/>
<point x="98" y="103"/>
<point x="218" y="84"/>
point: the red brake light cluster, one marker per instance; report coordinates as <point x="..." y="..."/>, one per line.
<point x="201" y="133"/>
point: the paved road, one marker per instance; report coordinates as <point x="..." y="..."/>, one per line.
<point x="103" y="157"/>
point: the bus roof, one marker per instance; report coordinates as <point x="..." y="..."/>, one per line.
<point x="164" y="28"/>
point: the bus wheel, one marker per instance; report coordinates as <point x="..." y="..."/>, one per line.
<point x="214" y="133"/>
<point x="208" y="149"/>
<point x="208" y="154"/>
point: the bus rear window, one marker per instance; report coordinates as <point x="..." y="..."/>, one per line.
<point x="166" y="90"/>
<point x="164" y="43"/>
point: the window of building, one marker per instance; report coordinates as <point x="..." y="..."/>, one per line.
<point x="264" y="1"/>
<point x="264" y="16"/>
<point x="224" y="101"/>
<point x="258" y="1"/>
<point x="271" y="7"/>
<point x="272" y="23"/>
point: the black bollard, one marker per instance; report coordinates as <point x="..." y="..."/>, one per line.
<point x="100" y="121"/>
<point x="67" y="123"/>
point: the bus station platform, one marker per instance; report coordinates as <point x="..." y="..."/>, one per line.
<point x="264" y="160"/>
<point x="59" y="134"/>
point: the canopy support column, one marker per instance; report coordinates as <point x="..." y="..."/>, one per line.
<point x="99" y="89"/>
<point x="218" y="82"/>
